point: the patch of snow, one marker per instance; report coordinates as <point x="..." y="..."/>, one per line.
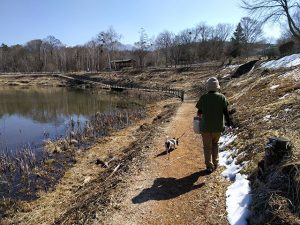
<point x="233" y="66"/>
<point x="283" y="97"/>
<point x="225" y="158"/>
<point x="237" y="200"/>
<point x="287" y="110"/>
<point x="268" y="65"/>
<point x="231" y="169"/>
<point x="238" y="196"/>
<point x="226" y="140"/>
<point x="226" y="75"/>
<point x="274" y="87"/>
<point x="295" y="74"/>
<point x="294" y="62"/>
<point x="267" y="117"/>
<point x="284" y="62"/>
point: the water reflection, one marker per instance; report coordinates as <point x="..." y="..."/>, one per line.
<point x="27" y="116"/>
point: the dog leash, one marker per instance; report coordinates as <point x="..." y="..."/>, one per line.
<point x="182" y="135"/>
<point x="178" y="139"/>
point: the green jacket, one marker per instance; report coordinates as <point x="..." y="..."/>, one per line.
<point x="213" y="107"/>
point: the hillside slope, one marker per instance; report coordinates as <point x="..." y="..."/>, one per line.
<point x="149" y="187"/>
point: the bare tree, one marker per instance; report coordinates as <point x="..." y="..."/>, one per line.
<point x="142" y="46"/>
<point x="202" y="32"/>
<point x="34" y="57"/>
<point x="109" y="40"/>
<point x="49" y="49"/>
<point x="252" y="29"/>
<point x="187" y="39"/>
<point x="223" y="31"/>
<point x="91" y="47"/>
<point x="275" y="10"/>
<point x="218" y="37"/>
<point x="187" y="36"/>
<point x="164" y="42"/>
<point x="176" y="50"/>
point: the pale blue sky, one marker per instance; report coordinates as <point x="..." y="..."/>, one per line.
<point x="78" y="21"/>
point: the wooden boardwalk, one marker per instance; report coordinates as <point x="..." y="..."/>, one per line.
<point x="171" y="91"/>
<point x="174" y="92"/>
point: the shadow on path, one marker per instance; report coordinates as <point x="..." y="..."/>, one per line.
<point x="168" y="188"/>
<point x="164" y="153"/>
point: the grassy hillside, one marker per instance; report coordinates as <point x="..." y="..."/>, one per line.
<point x="264" y="104"/>
<point x="267" y="104"/>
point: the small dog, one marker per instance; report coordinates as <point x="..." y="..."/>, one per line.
<point x="170" y="144"/>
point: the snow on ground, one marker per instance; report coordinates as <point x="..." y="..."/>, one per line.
<point x="283" y="97"/>
<point x="274" y="87"/>
<point x="287" y="110"/>
<point x="226" y="75"/>
<point x="231" y="67"/>
<point x="238" y="196"/>
<point x="226" y="140"/>
<point x="267" y="117"/>
<point x="231" y="169"/>
<point x="295" y="74"/>
<point x="284" y="62"/>
<point x="237" y="200"/>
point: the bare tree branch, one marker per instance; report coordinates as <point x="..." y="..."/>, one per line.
<point x="266" y="10"/>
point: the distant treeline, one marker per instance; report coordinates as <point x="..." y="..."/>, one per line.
<point x="198" y="44"/>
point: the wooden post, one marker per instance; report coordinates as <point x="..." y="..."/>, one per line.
<point x="182" y="96"/>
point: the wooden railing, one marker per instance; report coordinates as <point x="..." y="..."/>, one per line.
<point x="172" y="91"/>
<point x="105" y="85"/>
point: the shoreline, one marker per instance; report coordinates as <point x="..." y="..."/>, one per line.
<point x="66" y="157"/>
<point x="106" y="156"/>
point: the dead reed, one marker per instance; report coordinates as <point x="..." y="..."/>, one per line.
<point x="99" y="125"/>
<point x="25" y="172"/>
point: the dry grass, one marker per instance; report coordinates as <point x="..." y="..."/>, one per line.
<point x="26" y="80"/>
<point x="252" y="97"/>
<point x="275" y="197"/>
<point x="83" y="183"/>
<point x="265" y="110"/>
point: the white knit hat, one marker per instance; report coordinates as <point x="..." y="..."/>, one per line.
<point x="212" y="84"/>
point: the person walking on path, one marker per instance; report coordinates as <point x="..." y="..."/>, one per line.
<point x="212" y="108"/>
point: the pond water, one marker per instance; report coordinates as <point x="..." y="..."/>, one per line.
<point x="29" y="116"/>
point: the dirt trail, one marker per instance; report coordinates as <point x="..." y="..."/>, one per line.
<point x="173" y="189"/>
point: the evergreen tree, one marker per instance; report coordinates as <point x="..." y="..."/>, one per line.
<point x="238" y="41"/>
